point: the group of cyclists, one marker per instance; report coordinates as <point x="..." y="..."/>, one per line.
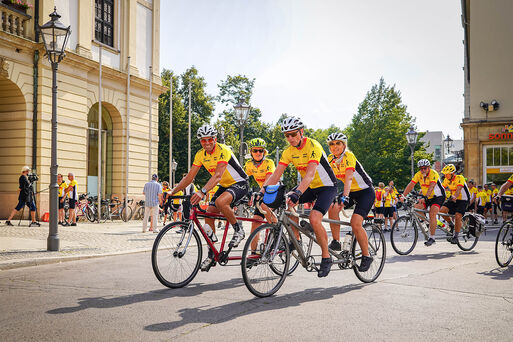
<point x="318" y="186"/>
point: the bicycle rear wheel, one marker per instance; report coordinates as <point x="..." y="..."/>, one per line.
<point x="466" y="241"/>
<point x="90" y="214"/>
<point x="175" y="261"/>
<point x="257" y="265"/>
<point x="504" y="245"/>
<point x="404" y="235"/>
<point x="377" y="250"/>
<point x="126" y="214"/>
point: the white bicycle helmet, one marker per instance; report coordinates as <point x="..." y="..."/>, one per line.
<point x="206" y="131"/>
<point x="337" y="136"/>
<point x="291" y="124"/>
<point x="423" y="162"/>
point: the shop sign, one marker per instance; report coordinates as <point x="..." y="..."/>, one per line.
<point x="506" y="134"/>
<point x="506" y="169"/>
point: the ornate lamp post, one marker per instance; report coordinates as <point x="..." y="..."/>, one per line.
<point x="241" y="117"/>
<point x="55" y="37"/>
<point x="412" y="137"/>
<point x="174" y="165"/>
<point x="448" y="143"/>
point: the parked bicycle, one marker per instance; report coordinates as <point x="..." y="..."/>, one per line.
<point x="139" y="210"/>
<point x="405" y="230"/>
<point x="116" y="209"/>
<point x="265" y="269"/>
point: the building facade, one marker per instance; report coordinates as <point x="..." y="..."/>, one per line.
<point x="128" y="34"/>
<point x="488" y="129"/>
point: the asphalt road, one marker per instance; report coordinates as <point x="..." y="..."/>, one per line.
<point x="437" y="293"/>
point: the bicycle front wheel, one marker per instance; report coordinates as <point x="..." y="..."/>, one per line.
<point x="404" y="235"/>
<point x="175" y="258"/>
<point x="90" y="214"/>
<point x="504" y="245"/>
<point x="466" y="241"/>
<point x="377" y="250"/>
<point x="126" y="214"/>
<point x="259" y="265"/>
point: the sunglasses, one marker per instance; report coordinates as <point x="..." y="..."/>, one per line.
<point x="291" y="134"/>
<point x="257" y="151"/>
<point x="424" y="167"/>
<point x="206" y="140"/>
<point x="333" y="143"/>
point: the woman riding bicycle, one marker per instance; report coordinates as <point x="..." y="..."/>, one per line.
<point x="261" y="168"/>
<point x="357" y="188"/>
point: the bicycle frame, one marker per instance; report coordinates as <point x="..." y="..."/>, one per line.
<point x="220" y="254"/>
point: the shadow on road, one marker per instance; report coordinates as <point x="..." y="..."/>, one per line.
<point x="499" y="273"/>
<point x="410" y="257"/>
<point x="155" y="295"/>
<point x="227" y="312"/>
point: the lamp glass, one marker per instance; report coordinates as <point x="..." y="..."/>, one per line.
<point x="55" y="37"/>
<point x="241" y="112"/>
<point x="412" y="136"/>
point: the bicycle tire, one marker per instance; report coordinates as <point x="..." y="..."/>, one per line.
<point x="292" y="267"/>
<point x="105" y="213"/>
<point x="377" y="249"/>
<point x="259" y="266"/>
<point x="166" y="235"/>
<point x="90" y="214"/>
<point x="505" y="244"/>
<point x="126" y="214"/>
<point x="409" y="229"/>
<point x="465" y="236"/>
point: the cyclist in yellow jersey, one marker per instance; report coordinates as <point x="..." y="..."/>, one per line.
<point x="388" y="208"/>
<point x="506" y="189"/>
<point x="488" y="206"/>
<point x="72" y="193"/>
<point x="482" y="199"/>
<point x="395" y="197"/>
<point x="318" y="182"/>
<point x="357" y="188"/>
<point x="378" y="203"/>
<point x="458" y="202"/>
<point x="226" y="172"/>
<point x="62" y="198"/>
<point x="261" y="169"/>
<point x="473" y="192"/>
<point x="495" y="192"/>
<point x="433" y="191"/>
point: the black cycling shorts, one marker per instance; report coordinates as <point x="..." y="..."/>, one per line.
<point x="438" y="201"/>
<point x="480" y="209"/>
<point x="488" y="205"/>
<point x="388" y="212"/>
<point x="237" y="190"/>
<point x="61" y="204"/>
<point x="323" y="197"/>
<point x="379" y="210"/>
<point x="72" y="203"/>
<point x="460" y="206"/>
<point x="364" y="200"/>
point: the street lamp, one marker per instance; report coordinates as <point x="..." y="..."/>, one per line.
<point x="448" y="143"/>
<point x="55" y="37"/>
<point x="241" y="117"/>
<point x="174" y="165"/>
<point x="221" y="134"/>
<point x="412" y="137"/>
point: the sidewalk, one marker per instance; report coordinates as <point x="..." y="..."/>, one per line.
<point x="22" y="246"/>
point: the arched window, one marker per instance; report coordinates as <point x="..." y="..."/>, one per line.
<point x="106" y="152"/>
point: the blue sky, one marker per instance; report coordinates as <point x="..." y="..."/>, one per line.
<point x="317" y="59"/>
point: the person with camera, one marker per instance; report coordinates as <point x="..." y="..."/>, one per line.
<point x="25" y="197"/>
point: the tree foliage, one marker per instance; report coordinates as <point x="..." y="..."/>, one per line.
<point x="377" y="135"/>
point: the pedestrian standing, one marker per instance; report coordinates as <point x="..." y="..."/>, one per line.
<point x="152" y="199"/>
<point x="72" y="193"/>
<point x="62" y="198"/>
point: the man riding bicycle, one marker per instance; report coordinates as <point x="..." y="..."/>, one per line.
<point x="458" y="202"/>
<point x="433" y="191"/>
<point x="226" y="171"/>
<point x="357" y="187"/>
<point x="261" y="168"/>
<point x="318" y="182"/>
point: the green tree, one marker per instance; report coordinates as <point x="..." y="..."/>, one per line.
<point x="377" y="135"/>
<point x="202" y="106"/>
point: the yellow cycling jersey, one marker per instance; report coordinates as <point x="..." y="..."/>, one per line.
<point x="260" y="171"/>
<point x="177" y="200"/>
<point x="62" y="187"/>
<point x="310" y="152"/>
<point x="482" y="198"/>
<point x="425" y="182"/>
<point x="388" y="199"/>
<point x="509" y="191"/>
<point x="73" y="194"/>
<point x="458" y="180"/>
<point x="510" y="179"/>
<point x="378" y="203"/>
<point x="221" y="154"/>
<point x="360" y="180"/>
<point x="495" y="192"/>
<point x="489" y="193"/>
